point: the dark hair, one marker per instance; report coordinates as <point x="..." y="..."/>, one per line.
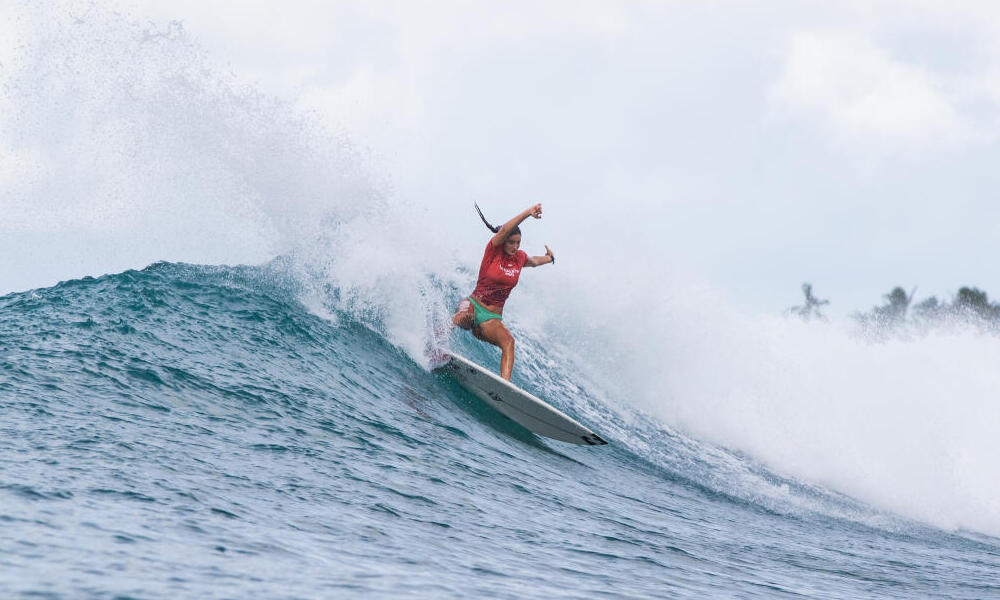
<point x="492" y="228"/>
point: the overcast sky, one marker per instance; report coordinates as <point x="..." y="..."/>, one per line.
<point x="853" y="145"/>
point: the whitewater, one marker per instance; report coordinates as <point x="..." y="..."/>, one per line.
<point x="215" y="380"/>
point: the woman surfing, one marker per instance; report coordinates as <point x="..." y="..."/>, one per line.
<point x="482" y="311"/>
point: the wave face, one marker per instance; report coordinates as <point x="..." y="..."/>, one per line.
<point x="196" y="431"/>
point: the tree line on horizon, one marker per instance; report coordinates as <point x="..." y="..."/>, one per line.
<point x="970" y="305"/>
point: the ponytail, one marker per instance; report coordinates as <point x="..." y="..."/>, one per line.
<point x="515" y="229"/>
<point x="488" y="226"/>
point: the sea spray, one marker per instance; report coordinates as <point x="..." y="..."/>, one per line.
<point x="128" y="141"/>
<point x="908" y="425"/>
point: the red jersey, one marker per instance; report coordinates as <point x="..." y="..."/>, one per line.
<point x="498" y="274"/>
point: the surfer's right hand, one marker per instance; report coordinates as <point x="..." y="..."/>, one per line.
<point x="536" y="211"/>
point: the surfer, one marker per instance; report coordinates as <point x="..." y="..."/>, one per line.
<point x="482" y="311"/>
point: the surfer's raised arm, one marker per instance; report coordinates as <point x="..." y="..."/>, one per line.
<point x="501" y="234"/>
<point x="537" y="261"/>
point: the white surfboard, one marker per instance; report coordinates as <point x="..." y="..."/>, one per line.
<point x="517" y="404"/>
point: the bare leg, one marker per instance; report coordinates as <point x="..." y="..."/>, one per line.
<point x="465" y="315"/>
<point x="494" y="332"/>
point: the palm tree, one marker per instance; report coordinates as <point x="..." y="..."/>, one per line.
<point x="897" y="304"/>
<point x="810" y="309"/>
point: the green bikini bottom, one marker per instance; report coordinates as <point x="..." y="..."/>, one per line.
<point x="481" y="314"/>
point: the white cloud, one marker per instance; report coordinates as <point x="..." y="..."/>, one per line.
<point x="867" y="99"/>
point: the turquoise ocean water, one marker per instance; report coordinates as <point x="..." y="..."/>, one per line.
<point x="194" y="431"/>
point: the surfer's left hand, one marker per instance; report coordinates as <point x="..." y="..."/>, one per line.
<point x="548" y="252"/>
